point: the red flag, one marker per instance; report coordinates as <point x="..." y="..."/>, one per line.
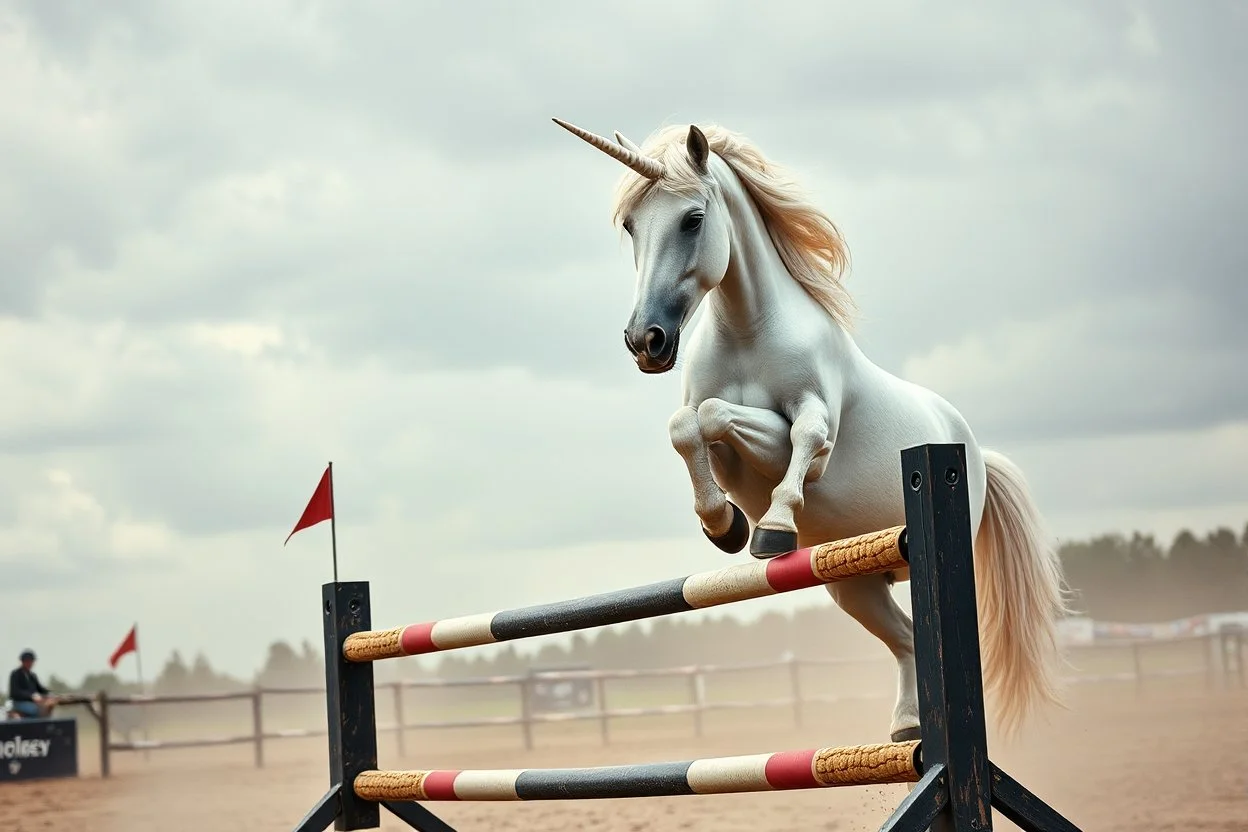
<point x="130" y="645"/>
<point x="320" y="507"/>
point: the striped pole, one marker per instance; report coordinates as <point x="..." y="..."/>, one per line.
<point x="863" y="765"/>
<point x="881" y="551"/>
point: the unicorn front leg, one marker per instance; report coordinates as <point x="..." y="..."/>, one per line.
<point x="723" y="523"/>
<point x="810" y="437"/>
<point x="760" y="437"/>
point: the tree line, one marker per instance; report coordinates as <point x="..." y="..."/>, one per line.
<point x="1113" y="577"/>
<point x="1136" y="579"/>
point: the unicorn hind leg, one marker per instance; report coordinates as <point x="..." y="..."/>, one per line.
<point x="869" y="600"/>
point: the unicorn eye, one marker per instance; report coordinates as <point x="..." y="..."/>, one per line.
<point x="692" y="221"/>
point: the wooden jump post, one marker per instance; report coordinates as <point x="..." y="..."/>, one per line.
<point x="956" y="783"/>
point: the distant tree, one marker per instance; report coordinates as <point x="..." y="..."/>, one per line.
<point x="284" y="667"/>
<point x="58" y="685"/>
<point x="203" y="678"/>
<point x="1135" y="579"/>
<point x="107" y="682"/>
<point x="173" y="676"/>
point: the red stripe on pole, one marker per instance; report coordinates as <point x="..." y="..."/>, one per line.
<point x="440" y="785"/>
<point x="792" y="571"/>
<point x="416" y="639"/>
<point x="792" y="770"/>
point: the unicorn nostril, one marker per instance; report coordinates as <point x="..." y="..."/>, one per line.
<point x="656" y="340"/>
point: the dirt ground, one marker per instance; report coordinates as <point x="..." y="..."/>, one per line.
<point x="1174" y="757"/>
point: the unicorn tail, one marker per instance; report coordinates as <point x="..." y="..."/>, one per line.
<point x="1021" y="592"/>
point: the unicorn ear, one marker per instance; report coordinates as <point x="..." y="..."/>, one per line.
<point x="699" y="148"/>
<point x="623" y="141"/>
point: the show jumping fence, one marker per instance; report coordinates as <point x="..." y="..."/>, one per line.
<point x="1217" y="659"/>
<point x="956" y="785"/>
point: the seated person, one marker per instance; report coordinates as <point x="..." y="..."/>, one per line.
<point x="28" y="695"/>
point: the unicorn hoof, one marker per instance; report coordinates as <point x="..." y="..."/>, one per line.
<point x="767" y="543"/>
<point x="907" y="735"/>
<point x="738" y="534"/>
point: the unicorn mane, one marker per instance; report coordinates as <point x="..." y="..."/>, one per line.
<point x="809" y="243"/>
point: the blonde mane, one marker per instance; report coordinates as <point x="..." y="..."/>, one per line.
<point x="808" y="242"/>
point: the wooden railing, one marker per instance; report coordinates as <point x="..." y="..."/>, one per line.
<point x="1223" y="664"/>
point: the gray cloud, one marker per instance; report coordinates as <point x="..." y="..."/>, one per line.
<point x="1051" y="127"/>
<point x="238" y="241"/>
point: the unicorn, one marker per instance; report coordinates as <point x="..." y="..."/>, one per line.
<point x="786" y="425"/>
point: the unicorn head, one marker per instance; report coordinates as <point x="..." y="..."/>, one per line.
<point x="690" y="197"/>
<point x="681" y="240"/>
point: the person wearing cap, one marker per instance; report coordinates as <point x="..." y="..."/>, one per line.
<point x="28" y="695"/>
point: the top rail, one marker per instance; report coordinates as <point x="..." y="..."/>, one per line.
<point x="178" y="698"/>
<point x="867" y="554"/>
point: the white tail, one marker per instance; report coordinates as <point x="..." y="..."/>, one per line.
<point x="1021" y="592"/>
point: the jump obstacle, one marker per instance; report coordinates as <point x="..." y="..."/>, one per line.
<point x="956" y="785"/>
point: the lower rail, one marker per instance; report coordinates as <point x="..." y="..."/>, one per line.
<point x="861" y="765"/>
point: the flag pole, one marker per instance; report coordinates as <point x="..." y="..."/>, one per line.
<point x="138" y="658"/>
<point x="333" y="520"/>
<point x="138" y="663"/>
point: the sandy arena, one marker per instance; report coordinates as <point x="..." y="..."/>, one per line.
<point x="1172" y="758"/>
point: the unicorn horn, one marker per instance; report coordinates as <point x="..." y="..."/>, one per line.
<point x="624" y="142"/>
<point x="647" y="167"/>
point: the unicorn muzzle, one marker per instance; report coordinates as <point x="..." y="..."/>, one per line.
<point x="653" y="347"/>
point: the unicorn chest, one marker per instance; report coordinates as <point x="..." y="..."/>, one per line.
<point x="743" y="392"/>
<point x="776" y="368"/>
<point x="774" y="384"/>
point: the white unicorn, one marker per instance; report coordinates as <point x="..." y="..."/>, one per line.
<point x="784" y="421"/>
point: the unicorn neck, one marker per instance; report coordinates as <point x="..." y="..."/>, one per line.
<point x="757" y="287"/>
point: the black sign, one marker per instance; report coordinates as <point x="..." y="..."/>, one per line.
<point x="555" y="695"/>
<point x="35" y="748"/>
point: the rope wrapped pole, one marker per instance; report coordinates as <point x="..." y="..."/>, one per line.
<point x="864" y="765"/>
<point x="882" y="551"/>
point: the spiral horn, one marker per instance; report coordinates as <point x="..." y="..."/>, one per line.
<point x="646" y="166"/>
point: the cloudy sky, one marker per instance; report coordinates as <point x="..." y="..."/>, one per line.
<point x="238" y="240"/>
